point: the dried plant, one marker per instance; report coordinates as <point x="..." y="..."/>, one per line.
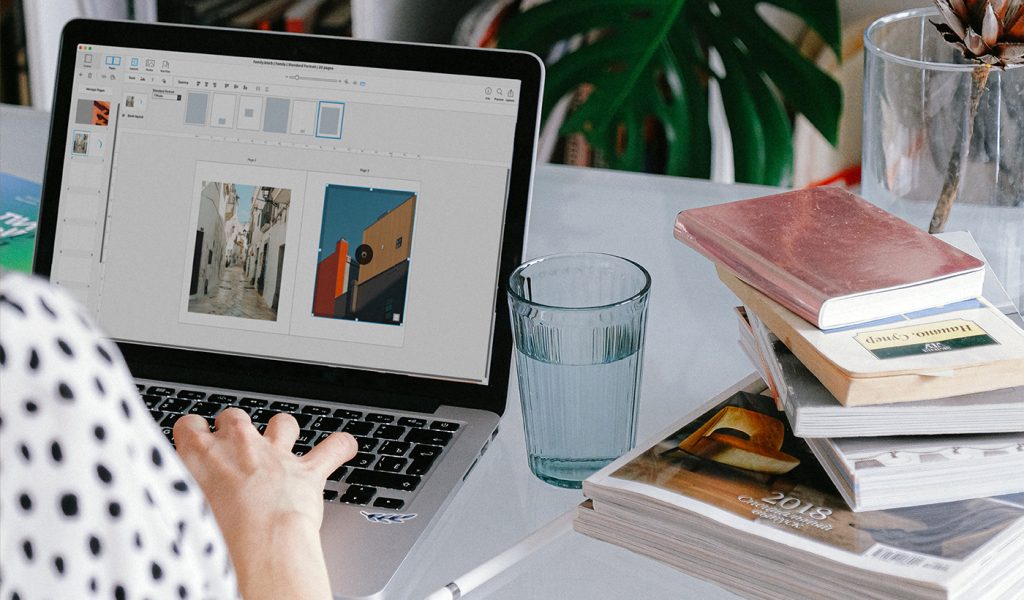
<point x="991" y="33"/>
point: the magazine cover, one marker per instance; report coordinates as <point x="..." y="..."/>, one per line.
<point x="19" y="210"/>
<point x="739" y="463"/>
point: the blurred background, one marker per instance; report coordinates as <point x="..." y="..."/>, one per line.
<point x="755" y="121"/>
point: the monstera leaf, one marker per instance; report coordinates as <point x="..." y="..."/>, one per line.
<point x="648" y="62"/>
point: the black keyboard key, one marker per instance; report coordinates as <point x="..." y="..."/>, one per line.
<point x="157" y="415"/>
<point x="425" y="451"/>
<point x="301" y="449"/>
<point x="391" y="464"/>
<point x="205" y="409"/>
<point x="321" y="437"/>
<point x="151" y="400"/>
<point x="302" y="419"/>
<point x="141" y="387"/>
<point x="211" y="422"/>
<point x="429" y="436"/>
<point x="330" y="495"/>
<point x="284" y="406"/>
<point x="261" y="427"/>
<point x="419" y="466"/>
<point x="263" y="415"/>
<point x="392" y="503"/>
<point x="379" y="418"/>
<point x="160" y="391"/>
<point x="316" y="410"/>
<point x="444" y="426"/>
<point x="191" y="394"/>
<point x="389" y="432"/>
<point x="366" y="444"/>
<point x="306" y="437"/>
<point x="410" y="422"/>
<point x="175" y="405"/>
<point x="344" y="413"/>
<point x="253" y="402"/>
<point x="223" y="398"/>
<point x="327" y="424"/>
<point x="168" y="433"/>
<point x="392" y="481"/>
<point x="393" y="448"/>
<point x="337" y="474"/>
<point x="358" y="427"/>
<point x="361" y="459"/>
<point x="358" y="494"/>
<point x="171" y="419"/>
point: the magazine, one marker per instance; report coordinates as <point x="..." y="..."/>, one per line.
<point x="729" y="494"/>
<point x="19" y="211"/>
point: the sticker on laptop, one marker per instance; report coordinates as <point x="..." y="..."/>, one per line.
<point x="387" y="518"/>
<point x="918" y="340"/>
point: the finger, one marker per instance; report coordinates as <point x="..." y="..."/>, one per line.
<point x="282" y="431"/>
<point x="234" y="420"/>
<point x="191" y="436"/>
<point x="335" y="450"/>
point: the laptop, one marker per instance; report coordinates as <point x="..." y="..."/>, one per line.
<point x="313" y="225"/>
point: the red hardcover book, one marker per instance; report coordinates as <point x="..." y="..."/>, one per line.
<point x="830" y="256"/>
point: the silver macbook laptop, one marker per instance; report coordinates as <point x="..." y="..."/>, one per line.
<point x="312" y="225"/>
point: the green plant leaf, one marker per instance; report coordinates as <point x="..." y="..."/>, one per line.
<point x="646" y="62"/>
<point x="791" y="72"/>
<point x="822" y="17"/>
<point x="547" y="24"/>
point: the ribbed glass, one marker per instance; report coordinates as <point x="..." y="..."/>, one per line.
<point x="578" y="322"/>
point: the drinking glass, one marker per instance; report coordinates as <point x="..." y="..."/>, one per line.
<point x="578" y="321"/>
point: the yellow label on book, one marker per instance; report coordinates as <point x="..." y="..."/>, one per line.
<point x="928" y="338"/>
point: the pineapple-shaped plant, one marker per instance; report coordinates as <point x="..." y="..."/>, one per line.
<point x="991" y="33"/>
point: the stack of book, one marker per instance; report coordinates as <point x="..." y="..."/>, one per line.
<point x="880" y="453"/>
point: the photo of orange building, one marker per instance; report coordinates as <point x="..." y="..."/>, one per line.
<point x="364" y="255"/>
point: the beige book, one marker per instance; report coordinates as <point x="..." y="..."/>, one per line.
<point x="950" y="352"/>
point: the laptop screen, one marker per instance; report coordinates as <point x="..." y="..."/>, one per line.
<point x="308" y="212"/>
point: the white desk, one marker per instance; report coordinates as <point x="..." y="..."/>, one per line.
<point x="691" y="354"/>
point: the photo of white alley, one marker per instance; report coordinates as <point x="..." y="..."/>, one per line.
<point x="239" y="250"/>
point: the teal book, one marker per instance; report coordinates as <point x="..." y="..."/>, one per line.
<point x="19" y="214"/>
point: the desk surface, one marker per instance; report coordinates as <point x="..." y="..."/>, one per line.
<point x="691" y="354"/>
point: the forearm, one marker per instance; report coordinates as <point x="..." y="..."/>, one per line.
<point x="280" y="562"/>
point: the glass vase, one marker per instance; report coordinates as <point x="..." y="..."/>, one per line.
<point x="917" y="96"/>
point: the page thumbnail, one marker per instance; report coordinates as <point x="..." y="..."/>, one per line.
<point x="362" y="271"/>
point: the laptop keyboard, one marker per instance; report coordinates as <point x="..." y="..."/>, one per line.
<point x="396" y="451"/>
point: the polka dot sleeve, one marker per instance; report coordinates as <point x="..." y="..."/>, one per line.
<point x="93" y="500"/>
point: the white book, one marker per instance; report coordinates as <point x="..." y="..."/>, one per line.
<point x="814" y="412"/>
<point x="894" y="472"/>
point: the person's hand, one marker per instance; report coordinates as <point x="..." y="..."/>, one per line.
<point x="267" y="501"/>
